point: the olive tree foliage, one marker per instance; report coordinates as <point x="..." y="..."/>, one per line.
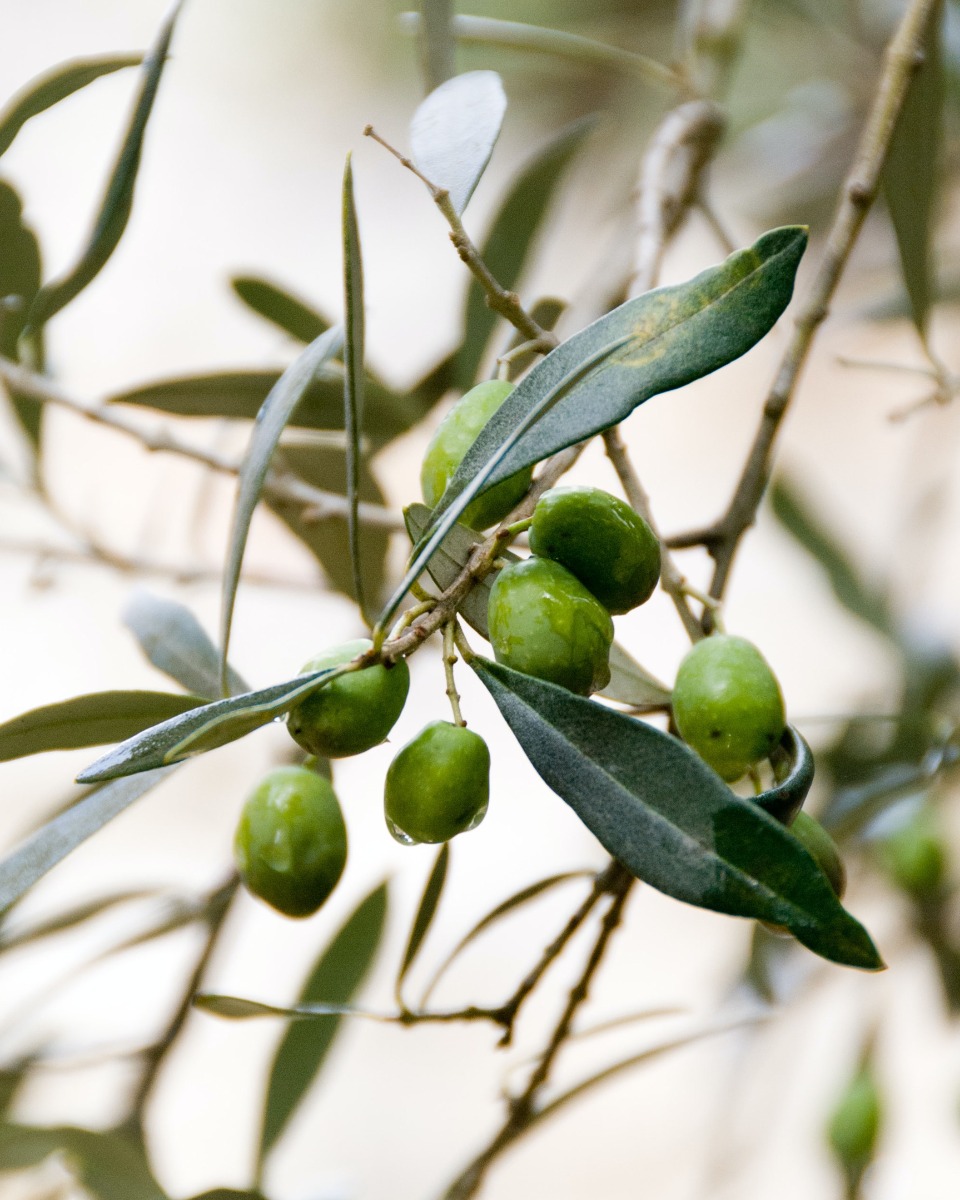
<point x="661" y="814"/>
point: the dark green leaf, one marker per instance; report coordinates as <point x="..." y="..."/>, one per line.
<point x="12" y="1078"/>
<point x="108" y="1165"/>
<point x="271" y="421"/>
<point x="353" y="351"/>
<point x="910" y="173"/>
<point x="203" y="729"/>
<point x="632" y="684"/>
<point x="92" y="720"/>
<point x="69" y="918"/>
<point x="335" y="979"/>
<point x="325" y="467"/>
<point x="280" y="307"/>
<point x="672" y="821"/>
<point x="52" y="842"/>
<point x="19" y="284"/>
<point x="436" y="41"/>
<point x="659" y="341"/>
<point x="229" y="1194"/>
<point x="175" y="642"/>
<point x="454" y="130"/>
<point x="785" y="799"/>
<point x="425" y="912"/>
<point x="118" y="201"/>
<point x="517" y="900"/>
<point x="508" y="244"/>
<point x="796" y="516"/>
<point x="47" y="90"/>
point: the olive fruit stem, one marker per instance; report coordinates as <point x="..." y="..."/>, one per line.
<point x="449" y="661"/>
<point x="710" y="604"/>
<point x="511" y="531"/>
<point x="407" y="618"/>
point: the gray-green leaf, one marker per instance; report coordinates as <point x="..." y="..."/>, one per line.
<point x="672" y="821"/>
<point x="107" y="1165"/>
<point x="426" y="911"/>
<point x="280" y="307"/>
<point x="353" y="351"/>
<point x="454" y="130"/>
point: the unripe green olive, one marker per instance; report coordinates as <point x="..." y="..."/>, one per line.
<point x="915" y="857"/>
<point x="354" y="711"/>
<point x="455" y="434"/>
<point x="600" y="539"/>
<point x="438" y="785"/>
<point x="854" y="1125"/>
<point x="291" y="843"/>
<point x="727" y="704"/>
<point x="822" y="848"/>
<point x="544" y="622"/>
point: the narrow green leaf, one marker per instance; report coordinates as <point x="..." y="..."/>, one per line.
<point x="910" y="173"/>
<point x="798" y="518"/>
<point x="118" y="201"/>
<point x="454" y="130"/>
<point x="272" y="419"/>
<point x="436" y="41"/>
<point x="238" y="1008"/>
<point x="672" y="821"/>
<point x="52" y="842"/>
<point x="203" y="729"/>
<point x="655" y="343"/>
<point x="353" y="352"/>
<point x="47" y="90"/>
<point x="69" y="918"/>
<point x="280" y="307"/>
<point x="517" y="900"/>
<point x="795" y="759"/>
<point x="632" y="684"/>
<point x="19" y="283"/>
<point x="107" y="1165"/>
<point x="336" y="977"/>
<point x="507" y="247"/>
<point x="92" y="720"/>
<point x="426" y="911"/>
<point x="176" y="643"/>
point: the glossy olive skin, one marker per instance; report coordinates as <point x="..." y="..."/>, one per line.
<point x="455" y="434"/>
<point x="438" y="785"/>
<point x="822" y="848"/>
<point x="354" y="711"/>
<point x="600" y="539"/>
<point x="291" y="843"/>
<point x="727" y="704"/>
<point x="545" y="623"/>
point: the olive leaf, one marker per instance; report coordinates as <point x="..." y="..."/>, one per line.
<point x="672" y="821"/>
<point x="20" y="270"/>
<point x="280" y="307"/>
<point x="426" y="911"/>
<point x="271" y="421"/>
<point x="91" y="720"/>
<point x="506" y="248"/>
<point x="47" y="90"/>
<point x="69" y="918"/>
<point x="655" y="343"/>
<point x="632" y="684"/>
<point x="118" y="201"/>
<point x="353" y="351"/>
<point x="454" y="130"/>
<point x="108" y="1165"/>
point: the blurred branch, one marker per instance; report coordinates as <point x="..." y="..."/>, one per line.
<point x="901" y="61"/>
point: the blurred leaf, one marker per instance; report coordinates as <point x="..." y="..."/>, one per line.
<point x="669" y="819"/>
<point x="280" y="307"/>
<point x="47" y="90"/>
<point x="792" y="511"/>
<point x="92" y="720"/>
<point x="436" y="41"/>
<point x="507" y="246"/>
<point x="271" y="421"/>
<point x="910" y="173"/>
<point x="69" y="918"/>
<point x="632" y="684"/>
<point x="325" y="467"/>
<point x="51" y="843"/>
<point x="108" y="1165"/>
<point x="426" y="911"/>
<point x="229" y="1194"/>
<point x="176" y="643"/>
<point x="238" y="1008"/>
<point x="118" y="201"/>
<point x="517" y="900"/>
<point x="204" y="728"/>
<point x="454" y="130"/>
<point x="334" y="979"/>
<point x="655" y="343"/>
<point x="19" y="283"/>
<point x="353" y="351"/>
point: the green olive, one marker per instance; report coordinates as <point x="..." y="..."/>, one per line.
<point x="727" y="704"/>
<point x="854" y="1124"/>
<point x="822" y="849"/>
<point x="600" y="539"/>
<point x="915" y="856"/>
<point x="354" y="711"/>
<point x="438" y="785"/>
<point x="455" y="435"/>
<point x="291" y="843"/>
<point x="544" y="622"/>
